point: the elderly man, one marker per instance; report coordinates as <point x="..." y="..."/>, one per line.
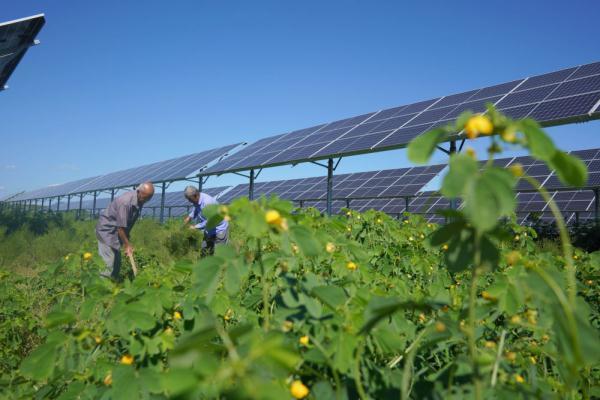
<point x="114" y="226"/>
<point x="216" y="235"/>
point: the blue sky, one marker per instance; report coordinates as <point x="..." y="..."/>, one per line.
<point x="116" y="84"/>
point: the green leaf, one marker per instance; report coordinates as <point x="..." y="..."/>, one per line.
<point x="333" y="296"/>
<point x="421" y="148"/>
<point x="56" y="318"/>
<point x="233" y="278"/>
<point x="40" y="364"/>
<point x="206" y="277"/>
<point x="461" y="251"/>
<point x="306" y="241"/>
<point x="540" y="144"/>
<point x="463" y="169"/>
<point x="490" y="197"/>
<point x="570" y="170"/>
<point x="177" y="381"/>
<point x="446" y="232"/>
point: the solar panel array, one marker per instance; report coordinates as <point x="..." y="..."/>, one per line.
<point x="548" y="178"/>
<point x="572" y="94"/>
<point x="169" y="170"/>
<point x="573" y="204"/>
<point x="374" y="184"/>
<point x="15" y="38"/>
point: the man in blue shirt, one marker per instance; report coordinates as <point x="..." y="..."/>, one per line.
<point x="216" y="235"/>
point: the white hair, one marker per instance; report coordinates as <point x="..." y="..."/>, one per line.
<point x="190" y="191"/>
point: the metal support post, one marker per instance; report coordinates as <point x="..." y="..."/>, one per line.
<point x="406" y="202"/>
<point x="200" y="184"/>
<point x="112" y="195"/>
<point x="50" y="204"/>
<point x="170" y="212"/>
<point x="348" y="203"/>
<point x="453" y="202"/>
<point x="162" y="202"/>
<point x="329" y="185"/>
<point x="69" y="202"/>
<point x="57" y="203"/>
<point x="42" y="207"/>
<point x="94" y="205"/>
<point x="80" y="205"/>
<point x="251" y="186"/>
<point x="597" y="205"/>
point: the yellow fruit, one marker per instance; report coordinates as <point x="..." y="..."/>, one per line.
<point x="410" y="239"/>
<point x="351" y="266"/>
<point x="515" y="319"/>
<point x="379" y="221"/>
<point x="349" y="229"/>
<point x="509" y="135"/>
<point x="513" y="257"/>
<point x="532" y="317"/>
<point x="223" y="209"/>
<point x="299" y="390"/>
<point x="127" y="359"/>
<point x="517" y="238"/>
<point x="66" y="258"/>
<point x="517" y="170"/>
<point x="445" y="247"/>
<point x="227" y="218"/>
<point x="532" y="360"/>
<point x="169" y="331"/>
<point x="519" y="378"/>
<point x="358" y="216"/>
<point x="487" y="296"/>
<point x="575" y="257"/>
<point x="422" y="236"/>
<point x="287" y="326"/>
<point x="478" y="125"/>
<point x="406" y="221"/>
<point x="228" y="315"/>
<point x="349" y="213"/>
<point x="429" y="226"/>
<point x="304" y="340"/>
<point x="330" y="247"/>
<point x="545" y="338"/>
<point x="98" y="339"/>
<point x="273" y="217"/>
<point x="510" y="355"/>
<point x="87" y="256"/>
<point x="440" y="327"/>
<point x="589" y="282"/>
<point x="471" y="153"/>
<point x="108" y="379"/>
<point x="489" y="344"/>
<point x="176" y="315"/>
<point x="422" y="317"/>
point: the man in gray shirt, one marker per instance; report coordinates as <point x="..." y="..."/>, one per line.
<point x="114" y="225"/>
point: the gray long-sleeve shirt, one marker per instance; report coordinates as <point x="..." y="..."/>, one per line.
<point x="121" y="213"/>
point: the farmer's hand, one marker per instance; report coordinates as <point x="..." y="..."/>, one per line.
<point x="192" y="227"/>
<point x="128" y="250"/>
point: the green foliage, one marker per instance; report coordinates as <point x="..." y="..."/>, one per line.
<point x="354" y="306"/>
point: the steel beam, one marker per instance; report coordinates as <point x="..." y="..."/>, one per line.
<point x="329" y="186"/>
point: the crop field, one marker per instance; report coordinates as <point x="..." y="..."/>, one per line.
<point x="299" y="305"/>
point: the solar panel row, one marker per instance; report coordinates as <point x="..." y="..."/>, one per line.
<point x="558" y="97"/>
<point x="169" y="170"/>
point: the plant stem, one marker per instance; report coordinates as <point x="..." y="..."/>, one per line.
<point x="471" y="323"/>
<point x="336" y="377"/>
<point x="498" y="358"/>
<point x="564" y="238"/>
<point x="357" y="380"/>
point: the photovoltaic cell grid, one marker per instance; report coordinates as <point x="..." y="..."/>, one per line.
<point x="572" y="94"/>
<point x="169" y="170"/>
<point x="15" y="38"/>
<point x="572" y="204"/>
<point x="373" y="184"/>
<point x="547" y="178"/>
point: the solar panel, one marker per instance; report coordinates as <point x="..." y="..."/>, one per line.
<point x="170" y="170"/>
<point x="558" y="97"/>
<point x="15" y="39"/>
<point x="384" y="184"/>
<point x="573" y="205"/>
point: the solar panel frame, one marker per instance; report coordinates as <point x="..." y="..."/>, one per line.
<point x="16" y="37"/>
